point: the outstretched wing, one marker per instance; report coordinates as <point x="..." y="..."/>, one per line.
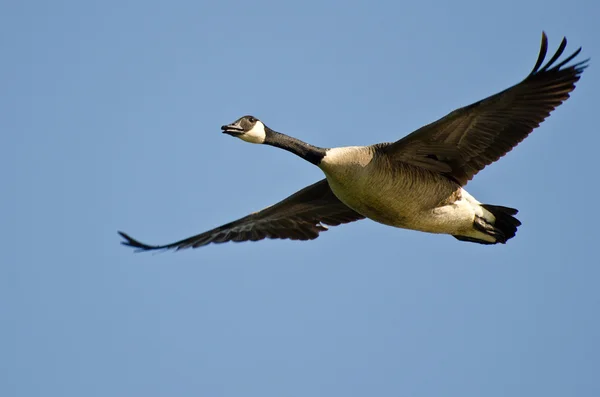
<point x="470" y="138"/>
<point x="301" y="216"/>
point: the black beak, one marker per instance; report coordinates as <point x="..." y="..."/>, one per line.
<point x="232" y="129"/>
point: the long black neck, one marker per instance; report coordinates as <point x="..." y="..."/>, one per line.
<point x="308" y="152"/>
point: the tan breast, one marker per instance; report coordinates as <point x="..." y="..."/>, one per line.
<point x="393" y="194"/>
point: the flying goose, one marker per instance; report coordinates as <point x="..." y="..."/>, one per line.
<point x="414" y="183"/>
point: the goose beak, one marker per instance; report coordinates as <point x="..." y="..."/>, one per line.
<point x="232" y="129"/>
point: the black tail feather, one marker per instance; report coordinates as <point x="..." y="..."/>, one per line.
<point x="505" y="221"/>
<point x="503" y="229"/>
<point x="473" y="240"/>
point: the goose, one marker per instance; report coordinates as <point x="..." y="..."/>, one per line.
<point x="414" y="183"/>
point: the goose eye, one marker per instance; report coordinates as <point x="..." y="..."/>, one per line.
<point x="251" y="119"/>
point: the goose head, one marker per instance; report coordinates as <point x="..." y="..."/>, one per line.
<point x="247" y="128"/>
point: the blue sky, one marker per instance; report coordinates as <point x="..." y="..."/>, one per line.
<point x="110" y="121"/>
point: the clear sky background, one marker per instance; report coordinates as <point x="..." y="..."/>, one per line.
<point x="110" y="116"/>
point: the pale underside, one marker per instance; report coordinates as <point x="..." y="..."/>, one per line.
<point x="401" y="195"/>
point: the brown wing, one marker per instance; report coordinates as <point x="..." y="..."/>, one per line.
<point x="301" y="216"/>
<point x="470" y="138"/>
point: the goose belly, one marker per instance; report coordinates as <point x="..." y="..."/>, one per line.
<point x="432" y="204"/>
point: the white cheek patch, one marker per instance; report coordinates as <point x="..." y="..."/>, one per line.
<point x="256" y="135"/>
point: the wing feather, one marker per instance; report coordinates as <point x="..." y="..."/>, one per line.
<point x="301" y="216"/>
<point x="468" y="139"/>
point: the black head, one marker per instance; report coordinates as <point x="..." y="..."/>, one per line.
<point x="247" y="128"/>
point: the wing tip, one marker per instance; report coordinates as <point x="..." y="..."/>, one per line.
<point x="139" y="246"/>
<point x="550" y="65"/>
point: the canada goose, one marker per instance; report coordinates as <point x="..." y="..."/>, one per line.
<point x="414" y="183"/>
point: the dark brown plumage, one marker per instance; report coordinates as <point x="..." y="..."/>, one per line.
<point x="465" y="141"/>
<point x="301" y="216"/>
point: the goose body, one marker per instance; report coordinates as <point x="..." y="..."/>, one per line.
<point x="414" y="183"/>
<point x="401" y="195"/>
